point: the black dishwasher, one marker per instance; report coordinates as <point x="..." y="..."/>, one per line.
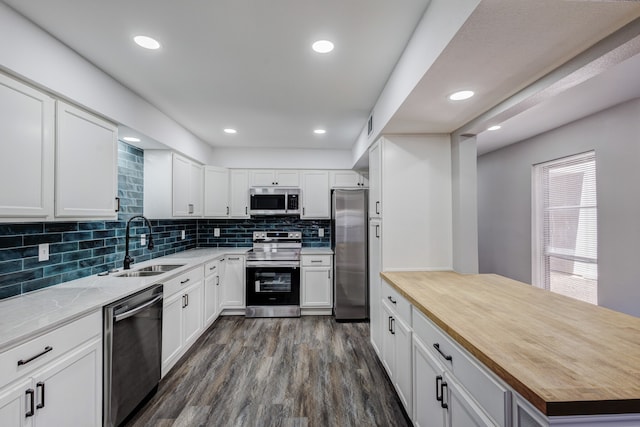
<point x="132" y="353"/>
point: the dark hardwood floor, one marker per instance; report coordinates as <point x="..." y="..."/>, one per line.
<point x="310" y="371"/>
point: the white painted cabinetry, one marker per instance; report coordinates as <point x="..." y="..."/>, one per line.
<point x="347" y="179"/>
<point x="211" y="291"/>
<point x="216" y="192"/>
<point x="55" y="379"/>
<point x="27" y="120"/>
<point x="232" y="293"/>
<point x="187" y="187"/>
<point x="316" y="282"/>
<point x="375" y="180"/>
<point x="274" y="178"/>
<point x="182" y="317"/>
<point x="239" y="193"/>
<point x="375" y="293"/>
<point x="316" y="202"/>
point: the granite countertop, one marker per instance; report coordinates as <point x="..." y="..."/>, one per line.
<point x="26" y="316"/>
<point x="565" y="356"/>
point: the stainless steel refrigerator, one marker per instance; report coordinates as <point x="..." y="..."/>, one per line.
<point x="350" y="246"/>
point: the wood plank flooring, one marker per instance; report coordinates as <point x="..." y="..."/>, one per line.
<point x="309" y="371"/>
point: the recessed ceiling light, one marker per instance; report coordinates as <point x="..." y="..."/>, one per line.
<point x="322" y="46"/>
<point x="147" y="42"/>
<point x="230" y="131"/>
<point x="496" y="127"/>
<point x="461" y="95"/>
<point x="319" y="131"/>
<point x="131" y="139"/>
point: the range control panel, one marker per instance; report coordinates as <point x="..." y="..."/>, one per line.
<point x="277" y="235"/>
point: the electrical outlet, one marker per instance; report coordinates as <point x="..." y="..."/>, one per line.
<point x="43" y="252"/>
<point x="183" y="235"/>
<point x="320" y="232"/>
<point x="143" y="239"/>
<point x="216" y="232"/>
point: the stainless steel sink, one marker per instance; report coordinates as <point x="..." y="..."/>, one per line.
<point x="161" y="268"/>
<point x="139" y="273"/>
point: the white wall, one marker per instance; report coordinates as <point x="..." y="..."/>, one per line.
<point x="504" y="201"/>
<point x="248" y="158"/>
<point x="440" y="23"/>
<point x="30" y="53"/>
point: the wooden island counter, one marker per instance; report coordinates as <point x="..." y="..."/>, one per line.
<point x="565" y="357"/>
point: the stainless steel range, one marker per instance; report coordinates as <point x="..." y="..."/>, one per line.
<point x="273" y="274"/>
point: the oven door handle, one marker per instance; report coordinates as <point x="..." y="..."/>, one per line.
<point x="272" y="264"/>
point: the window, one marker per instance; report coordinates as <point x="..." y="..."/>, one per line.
<point x="565" y="227"/>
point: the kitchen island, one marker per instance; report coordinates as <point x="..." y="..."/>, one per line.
<point x="565" y="357"/>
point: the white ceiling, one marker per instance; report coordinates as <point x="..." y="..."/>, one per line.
<point x="248" y="64"/>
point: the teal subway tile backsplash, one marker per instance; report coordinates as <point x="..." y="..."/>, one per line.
<point x="83" y="248"/>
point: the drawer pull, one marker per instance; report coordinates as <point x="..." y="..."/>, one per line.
<point x="41" y="404"/>
<point x="391" y="299"/>
<point x="46" y="350"/>
<point x="446" y="356"/>
<point x="184" y="281"/>
<point x="212" y="268"/>
<point x="316" y="260"/>
<point x="31" y="396"/>
<point x="234" y="259"/>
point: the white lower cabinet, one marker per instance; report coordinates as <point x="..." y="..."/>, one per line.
<point x="316" y="284"/>
<point x="232" y="292"/>
<point x="374" y="285"/>
<point x="211" y="292"/>
<point x="427" y="375"/>
<point x="61" y="385"/>
<point x="182" y="317"/>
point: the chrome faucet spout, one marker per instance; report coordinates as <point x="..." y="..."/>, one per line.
<point x="127" y="258"/>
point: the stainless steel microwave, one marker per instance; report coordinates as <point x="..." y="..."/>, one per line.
<point x="274" y="201"/>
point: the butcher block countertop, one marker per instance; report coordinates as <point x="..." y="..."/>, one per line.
<point x="564" y="356"/>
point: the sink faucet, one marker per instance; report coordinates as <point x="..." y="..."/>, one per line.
<point x="127" y="259"/>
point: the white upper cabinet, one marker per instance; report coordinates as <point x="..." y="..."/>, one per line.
<point x="348" y="179"/>
<point x="26" y="151"/>
<point x="239" y="193"/>
<point x="86" y="166"/>
<point x="271" y="178"/>
<point x="315" y="195"/>
<point x="187" y="187"/>
<point x="216" y="191"/>
<point x="375" y="180"/>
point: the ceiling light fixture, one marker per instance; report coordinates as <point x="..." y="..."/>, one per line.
<point x="322" y="46"/>
<point x="230" y="131"/>
<point x="147" y="42"/>
<point x="131" y="139"/>
<point x="461" y="95"/>
<point x="495" y="127"/>
<point x="319" y="131"/>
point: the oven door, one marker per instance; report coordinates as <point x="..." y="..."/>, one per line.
<point x="273" y="285"/>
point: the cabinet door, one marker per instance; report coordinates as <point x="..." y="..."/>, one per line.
<point x="388" y="341"/>
<point x="196" y="193"/>
<point x="233" y="286"/>
<point x="180" y="185"/>
<point x="239" y="194"/>
<point x="171" y="330"/>
<point x="346" y="179"/>
<point x="287" y="178"/>
<point x="403" y="373"/>
<point x="69" y="391"/>
<point x="211" y="287"/>
<point x="315" y="195"/>
<point x="375" y="182"/>
<point x="316" y="289"/>
<point x="216" y="192"/>
<point x="427" y="409"/>
<point x="86" y="165"/>
<point x="375" y="293"/>
<point x="462" y="409"/>
<point x="26" y="151"/>
<point x="192" y="313"/>
<point x="15" y="402"/>
<point x="263" y="178"/>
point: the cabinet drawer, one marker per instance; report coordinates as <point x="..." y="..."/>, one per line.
<point x="211" y="268"/>
<point x="400" y="305"/>
<point x="482" y="385"/>
<point x="316" y="260"/>
<point x="182" y="281"/>
<point x="60" y="340"/>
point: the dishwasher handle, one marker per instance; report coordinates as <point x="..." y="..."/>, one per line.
<point x="136" y="310"/>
